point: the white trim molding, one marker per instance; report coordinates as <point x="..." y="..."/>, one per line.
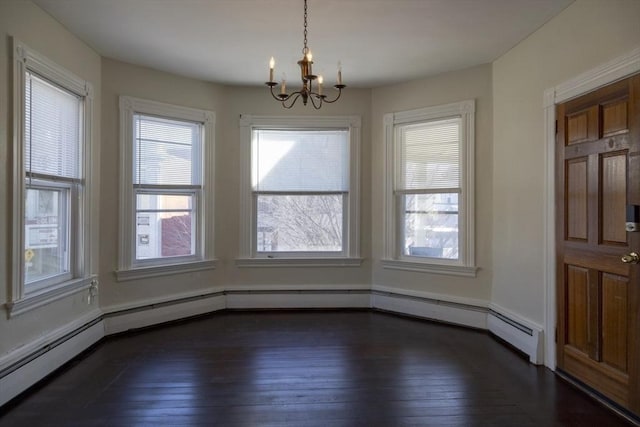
<point x="609" y="72"/>
<point x="450" y="270"/>
<point x="350" y="254"/>
<point x="81" y="276"/>
<point x="49" y="295"/>
<point x="25" y="366"/>
<point x="443" y="308"/>
<point x="299" y="262"/>
<point x="523" y="334"/>
<point x="155" y="311"/>
<point x="164" y="270"/>
<point x="298" y="297"/>
<point x="128" y="267"/>
<point x="325" y="299"/>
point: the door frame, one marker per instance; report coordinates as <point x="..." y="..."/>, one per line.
<point x="602" y="75"/>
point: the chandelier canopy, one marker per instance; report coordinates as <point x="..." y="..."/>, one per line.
<point x="308" y="91"/>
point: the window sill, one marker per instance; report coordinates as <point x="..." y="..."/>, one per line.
<point x="423" y="267"/>
<point x="298" y="262"/>
<point x="48" y="295"/>
<point x="164" y="270"/>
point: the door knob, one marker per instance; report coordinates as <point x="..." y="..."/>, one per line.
<point x="632" y="258"/>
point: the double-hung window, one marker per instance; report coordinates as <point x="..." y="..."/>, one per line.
<point x="429" y="189"/>
<point x="300" y="182"/>
<point x="52" y="132"/>
<point x="52" y="180"/>
<point x="166" y="188"/>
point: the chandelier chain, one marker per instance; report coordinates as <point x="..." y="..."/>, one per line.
<point x="305" y="50"/>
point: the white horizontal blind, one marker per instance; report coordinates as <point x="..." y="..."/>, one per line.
<point x="429" y="155"/>
<point x="164" y="151"/>
<point x="52" y="129"/>
<point x="300" y="160"/>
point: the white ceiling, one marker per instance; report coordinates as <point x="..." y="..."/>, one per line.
<point x="230" y="41"/>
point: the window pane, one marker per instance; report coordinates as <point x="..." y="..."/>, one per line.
<point x="157" y="201"/>
<point x="307" y="223"/>
<point x="164" y="226"/>
<point x="430" y="155"/>
<point x="164" y="151"/>
<point x="301" y="160"/>
<point x="52" y="129"/>
<point x="45" y="234"/>
<point x="430" y="225"/>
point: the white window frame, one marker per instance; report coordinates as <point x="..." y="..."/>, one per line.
<point x="393" y="258"/>
<point x="80" y="276"/>
<point x="203" y="197"/>
<point x="350" y="255"/>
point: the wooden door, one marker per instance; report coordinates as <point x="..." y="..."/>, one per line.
<point x="597" y="176"/>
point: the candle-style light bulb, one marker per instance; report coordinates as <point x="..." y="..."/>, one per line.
<point x="283" y="86"/>
<point x="272" y="64"/>
<point x="339" y="73"/>
<point x="309" y="56"/>
<point x="320" y="80"/>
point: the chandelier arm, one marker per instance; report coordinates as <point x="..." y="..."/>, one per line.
<point x="273" y="94"/>
<point x="337" y="97"/>
<point x="279" y="97"/>
<point x="314" y="96"/>
<point x="295" y="98"/>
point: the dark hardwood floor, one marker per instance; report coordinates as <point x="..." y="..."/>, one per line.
<point x="314" y="368"/>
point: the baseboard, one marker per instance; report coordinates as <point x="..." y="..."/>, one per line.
<point x="29" y="364"/>
<point x="261" y="297"/>
<point x="459" y="311"/>
<point x="26" y="366"/>
<point x="521" y="333"/>
<point x="152" y="312"/>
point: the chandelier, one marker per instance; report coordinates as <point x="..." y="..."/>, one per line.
<point x="309" y="91"/>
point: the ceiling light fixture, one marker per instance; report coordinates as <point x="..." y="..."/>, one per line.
<point x="307" y="91"/>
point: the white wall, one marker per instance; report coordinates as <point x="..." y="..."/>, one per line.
<point x="585" y="35"/>
<point x="257" y="101"/>
<point x="472" y="83"/>
<point x="228" y="103"/>
<point x="43" y="34"/>
<point x="118" y="79"/>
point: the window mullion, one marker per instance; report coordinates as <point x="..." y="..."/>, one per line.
<point x="31" y="177"/>
<point x="166" y="188"/>
<point x="430" y="191"/>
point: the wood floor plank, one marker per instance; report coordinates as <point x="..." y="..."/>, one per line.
<point x="334" y="368"/>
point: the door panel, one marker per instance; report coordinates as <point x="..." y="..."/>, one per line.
<point x="614" y="118"/>
<point x="578" y="308"/>
<point x="582" y="126"/>
<point x="614" y="197"/>
<point x="578" y="192"/>
<point x="614" y="321"/>
<point x="597" y="152"/>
